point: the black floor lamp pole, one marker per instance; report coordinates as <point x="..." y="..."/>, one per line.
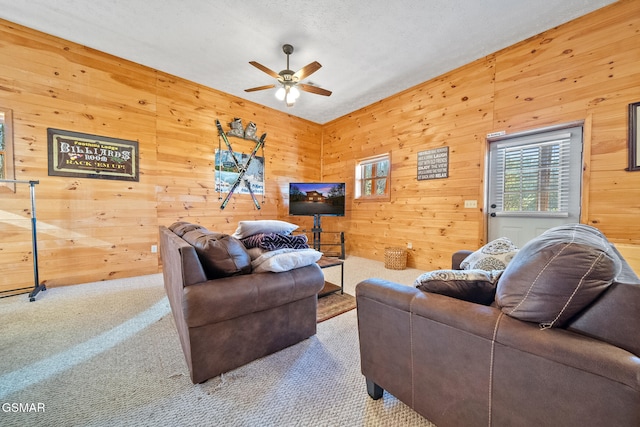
<point x="34" y="238"/>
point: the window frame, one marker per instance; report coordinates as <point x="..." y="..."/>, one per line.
<point x="6" y="117"/>
<point x="360" y="180"/>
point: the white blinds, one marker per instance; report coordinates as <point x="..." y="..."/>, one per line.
<point x="532" y="176"/>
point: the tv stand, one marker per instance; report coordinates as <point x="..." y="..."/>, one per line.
<point x="317" y="231"/>
<point x="317" y="237"/>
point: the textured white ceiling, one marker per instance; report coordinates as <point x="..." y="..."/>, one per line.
<point x="369" y="50"/>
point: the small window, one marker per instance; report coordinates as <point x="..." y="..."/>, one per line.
<point x="6" y="150"/>
<point x="373" y="176"/>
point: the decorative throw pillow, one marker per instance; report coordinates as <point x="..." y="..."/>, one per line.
<point x="253" y="241"/>
<point x="273" y="241"/>
<point x="478" y="286"/>
<point x="495" y="255"/>
<point x="557" y="274"/>
<point x="221" y="255"/>
<point x="248" y="228"/>
<point x="285" y="260"/>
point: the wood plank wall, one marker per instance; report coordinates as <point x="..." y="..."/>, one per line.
<point x="93" y="229"/>
<point x="187" y="138"/>
<point x="584" y="70"/>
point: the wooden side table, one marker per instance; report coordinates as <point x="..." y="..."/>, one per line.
<point x="329" y="288"/>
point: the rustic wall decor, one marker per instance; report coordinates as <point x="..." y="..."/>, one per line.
<point x="433" y="164"/>
<point x="90" y="156"/>
<point x="634" y="136"/>
<point x="227" y="174"/>
<point x="239" y="170"/>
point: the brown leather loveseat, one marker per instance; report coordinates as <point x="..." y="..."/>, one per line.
<point x="574" y="361"/>
<point x="226" y="315"/>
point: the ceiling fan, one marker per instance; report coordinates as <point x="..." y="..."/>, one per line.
<point x="290" y="80"/>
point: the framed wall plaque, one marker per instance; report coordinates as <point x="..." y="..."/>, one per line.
<point x="433" y="164"/>
<point x="76" y="154"/>
<point x="634" y="137"/>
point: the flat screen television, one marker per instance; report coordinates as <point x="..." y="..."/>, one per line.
<point x="317" y="198"/>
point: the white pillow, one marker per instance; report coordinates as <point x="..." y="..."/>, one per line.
<point x="249" y="228"/>
<point x="284" y="260"/>
<point x="255" y="252"/>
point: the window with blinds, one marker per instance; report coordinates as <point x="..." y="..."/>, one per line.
<point x="533" y="177"/>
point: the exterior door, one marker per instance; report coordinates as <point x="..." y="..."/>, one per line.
<point x="535" y="183"/>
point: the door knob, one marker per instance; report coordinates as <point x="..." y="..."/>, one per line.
<point x="493" y="214"/>
<point x="493" y="206"/>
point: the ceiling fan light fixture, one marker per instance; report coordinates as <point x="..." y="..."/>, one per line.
<point x="290" y="97"/>
<point x="289" y="93"/>
<point x="293" y="91"/>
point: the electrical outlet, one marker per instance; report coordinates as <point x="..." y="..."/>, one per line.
<point x="154" y="249"/>
<point x="409" y="245"/>
<point x="470" y="203"/>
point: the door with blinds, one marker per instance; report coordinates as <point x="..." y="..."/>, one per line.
<point x="535" y="183"/>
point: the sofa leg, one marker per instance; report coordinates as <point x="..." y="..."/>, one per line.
<point x="374" y="390"/>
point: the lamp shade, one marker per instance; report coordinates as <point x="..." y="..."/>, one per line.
<point x="288" y="93"/>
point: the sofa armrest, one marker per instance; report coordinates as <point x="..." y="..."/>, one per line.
<point x="458" y="257"/>
<point x="180" y="263"/>
<point x="230" y="297"/>
<point x="387" y="292"/>
<point x="384" y="331"/>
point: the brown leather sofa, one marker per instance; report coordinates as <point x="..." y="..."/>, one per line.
<point x="227" y="316"/>
<point x="460" y="363"/>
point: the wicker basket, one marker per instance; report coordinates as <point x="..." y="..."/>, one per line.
<point x="395" y="258"/>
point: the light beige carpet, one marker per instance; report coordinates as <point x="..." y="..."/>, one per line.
<point x="107" y="354"/>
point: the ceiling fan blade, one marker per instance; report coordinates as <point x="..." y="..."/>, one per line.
<point x="253" y="89"/>
<point x="314" y="89"/>
<point x="265" y="69"/>
<point x="307" y="70"/>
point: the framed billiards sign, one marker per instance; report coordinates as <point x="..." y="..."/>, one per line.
<point x="76" y="154"/>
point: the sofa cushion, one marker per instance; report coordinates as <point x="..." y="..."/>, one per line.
<point x="182" y="227"/>
<point x="285" y="259"/>
<point x="221" y="255"/>
<point x="478" y="286"/>
<point x="249" y="228"/>
<point x="495" y="255"/>
<point x="557" y="274"/>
